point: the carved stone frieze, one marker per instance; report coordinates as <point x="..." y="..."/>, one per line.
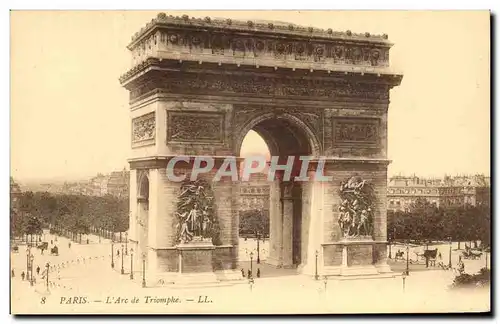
<point x="199" y="127"/>
<point x="263" y="86"/>
<point x="270" y="26"/>
<point x="354" y="151"/>
<point x="240" y="46"/>
<point x="143" y="129"/>
<point x="220" y="38"/>
<point x="356" y="132"/>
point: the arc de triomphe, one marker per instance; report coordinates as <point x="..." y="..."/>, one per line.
<point x="197" y="86"/>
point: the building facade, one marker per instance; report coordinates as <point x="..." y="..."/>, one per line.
<point x="15" y="193"/>
<point x="118" y="183"/>
<point x="254" y="194"/>
<point x="444" y="192"/>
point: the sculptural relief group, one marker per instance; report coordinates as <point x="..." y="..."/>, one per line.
<point x="356" y="208"/>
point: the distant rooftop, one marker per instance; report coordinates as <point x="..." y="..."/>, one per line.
<point x="445" y="181"/>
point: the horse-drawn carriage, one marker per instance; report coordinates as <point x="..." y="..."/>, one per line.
<point x="43" y="246"/>
<point x="54" y="251"/>
<point x="428" y="256"/>
<point x="469" y="254"/>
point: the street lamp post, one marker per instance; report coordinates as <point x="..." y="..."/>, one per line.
<point x="404" y="278"/>
<point x="126" y="242"/>
<point x="486" y="262"/>
<point x="123" y="270"/>
<point x="32" y="257"/>
<point x="258" y="248"/>
<point x="449" y="259"/>
<point x="251" y="264"/>
<point x="144" y="270"/>
<point x="316" y="277"/>
<point x="407" y="259"/>
<point x="390" y="245"/>
<point x="131" y="264"/>
<point x="112" y="256"/>
<point x="47" y="266"/>
<point x="28" y="254"/>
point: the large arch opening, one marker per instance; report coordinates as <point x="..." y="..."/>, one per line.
<point x="281" y="137"/>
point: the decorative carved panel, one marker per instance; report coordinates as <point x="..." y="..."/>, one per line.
<point x="332" y="255"/>
<point x="356" y="132"/>
<point x="359" y="255"/>
<point x="177" y="35"/>
<point x="198" y="127"/>
<point x="213" y="84"/>
<point x="143" y="130"/>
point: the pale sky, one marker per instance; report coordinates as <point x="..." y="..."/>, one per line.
<point x="70" y="116"/>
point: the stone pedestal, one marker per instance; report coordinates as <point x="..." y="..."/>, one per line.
<point x="357" y="257"/>
<point x="195" y="262"/>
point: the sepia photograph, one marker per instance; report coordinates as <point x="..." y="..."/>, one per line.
<point x="250" y="162"/>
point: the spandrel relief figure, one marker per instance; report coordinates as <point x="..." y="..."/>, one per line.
<point x="355" y="211"/>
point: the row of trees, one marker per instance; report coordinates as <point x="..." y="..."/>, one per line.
<point x="254" y="222"/>
<point x="74" y="215"/>
<point x="426" y="222"/>
<point x="70" y="215"/>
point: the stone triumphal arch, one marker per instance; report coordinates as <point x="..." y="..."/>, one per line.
<point x="197" y="86"/>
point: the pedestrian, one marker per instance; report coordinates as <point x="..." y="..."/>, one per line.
<point x="242" y="273"/>
<point x="51" y="242"/>
<point x="440" y="256"/>
<point x="258" y="273"/>
<point x="87" y="241"/>
<point x="22" y="275"/>
<point x="38" y="270"/>
<point x="69" y="245"/>
<point x="249" y="273"/>
<point x="118" y="252"/>
<point x="461" y="266"/>
<point x="41" y="251"/>
<point x="12" y="273"/>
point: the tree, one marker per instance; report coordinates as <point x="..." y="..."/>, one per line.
<point x="32" y="225"/>
<point x="16" y="224"/>
<point x="425" y="221"/>
<point x="255" y="222"/>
